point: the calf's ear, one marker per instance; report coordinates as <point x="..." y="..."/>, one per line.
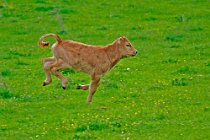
<point x="123" y="38"/>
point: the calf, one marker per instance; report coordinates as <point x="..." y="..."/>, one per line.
<point x="93" y="60"/>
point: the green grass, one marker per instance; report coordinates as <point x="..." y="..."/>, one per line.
<point x="162" y="93"/>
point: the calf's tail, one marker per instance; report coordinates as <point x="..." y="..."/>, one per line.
<point x="43" y="44"/>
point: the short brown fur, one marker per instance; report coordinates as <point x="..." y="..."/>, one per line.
<point x="93" y="60"/>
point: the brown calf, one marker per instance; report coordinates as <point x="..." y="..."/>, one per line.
<point x="93" y="60"/>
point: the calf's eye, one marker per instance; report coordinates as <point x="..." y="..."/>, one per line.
<point x="128" y="45"/>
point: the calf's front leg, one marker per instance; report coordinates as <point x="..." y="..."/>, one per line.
<point x="95" y="81"/>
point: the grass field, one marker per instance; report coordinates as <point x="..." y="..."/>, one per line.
<point x="162" y="93"/>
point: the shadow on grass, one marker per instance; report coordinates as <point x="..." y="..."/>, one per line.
<point x="6" y="94"/>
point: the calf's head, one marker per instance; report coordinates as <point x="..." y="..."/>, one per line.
<point x="125" y="47"/>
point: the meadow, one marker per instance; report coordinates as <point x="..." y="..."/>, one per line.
<point x="162" y="93"/>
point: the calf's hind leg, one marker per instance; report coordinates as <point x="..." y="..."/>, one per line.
<point x="47" y="65"/>
<point x="53" y="65"/>
<point x="56" y="70"/>
<point x="58" y="74"/>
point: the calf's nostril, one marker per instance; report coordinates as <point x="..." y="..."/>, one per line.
<point x="136" y="52"/>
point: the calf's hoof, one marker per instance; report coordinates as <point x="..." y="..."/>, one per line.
<point x="44" y="84"/>
<point x="78" y="87"/>
<point x="64" y="87"/>
<point x="89" y="103"/>
<point x="47" y="82"/>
